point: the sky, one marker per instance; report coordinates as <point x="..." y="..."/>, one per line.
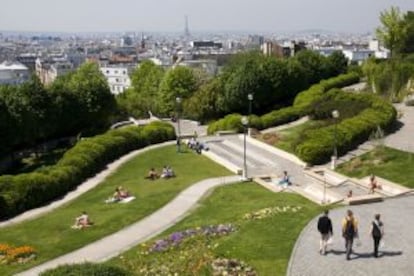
<point x="355" y="16"/>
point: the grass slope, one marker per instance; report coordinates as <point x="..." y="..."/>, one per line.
<point x="51" y="234"/>
<point x="264" y="244"/>
<point x="384" y="162"/>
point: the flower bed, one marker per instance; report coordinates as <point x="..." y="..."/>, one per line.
<point x="176" y="238"/>
<point x="270" y="211"/>
<point x="188" y="252"/>
<point x="21" y="254"/>
<point x="222" y="266"/>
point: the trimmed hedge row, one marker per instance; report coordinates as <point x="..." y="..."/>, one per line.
<point x="26" y="191"/>
<point x="85" y="269"/>
<point x="317" y="148"/>
<point x="303" y="101"/>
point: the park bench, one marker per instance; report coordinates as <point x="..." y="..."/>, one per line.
<point x="225" y="132"/>
<point x="362" y="199"/>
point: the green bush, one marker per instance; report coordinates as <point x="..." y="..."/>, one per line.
<point x="281" y="116"/>
<point x="25" y="191"/>
<point x="318" y="147"/>
<point x="85" y="269"/>
<point x="230" y="122"/>
<point x="302" y="106"/>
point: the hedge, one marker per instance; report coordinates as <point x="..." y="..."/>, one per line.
<point x="302" y="104"/>
<point x="26" y="191"/>
<point x="85" y="269"/>
<point x="318" y="147"/>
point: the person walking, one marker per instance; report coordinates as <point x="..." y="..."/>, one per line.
<point x="349" y="232"/>
<point x="377" y="232"/>
<point x="325" y="229"/>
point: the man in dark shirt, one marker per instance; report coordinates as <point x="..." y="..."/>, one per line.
<point x="325" y="228"/>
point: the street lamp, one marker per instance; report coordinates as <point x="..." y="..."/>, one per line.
<point x="245" y="123"/>
<point x="335" y="115"/>
<point x="178" y="101"/>
<point x="250" y="98"/>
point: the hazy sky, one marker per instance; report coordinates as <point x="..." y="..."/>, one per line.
<point x="215" y="15"/>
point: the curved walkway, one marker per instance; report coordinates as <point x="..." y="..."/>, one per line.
<point x="396" y="258"/>
<point x="87" y="185"/>
<point x="138" y="232"/>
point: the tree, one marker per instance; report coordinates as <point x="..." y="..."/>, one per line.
<point x="408" y="43"/>
<point x="177" y="82"/>
<point x="337" y="63"/>
<point x="203" y="104"/>
<point x="142" y="97"/>
<point x="392" y="33"/>
<point x="314" y="65"/>
<point x="96" y="103"/>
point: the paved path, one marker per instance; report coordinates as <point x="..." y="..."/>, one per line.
<point x="81" y="189"/>
<point x="138" y="232"/>
<point x="403" y="139"/>
<point x="396" y="258"/>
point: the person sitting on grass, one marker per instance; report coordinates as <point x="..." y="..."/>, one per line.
<point x="167" y="172"/>
<point x="285" y="179"/>
<point x="152" y="174"/>
<point x="82" y="221"/>
<point x="120" y="195"/>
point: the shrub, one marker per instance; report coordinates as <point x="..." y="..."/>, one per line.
<point x="351" y="132"/>
<point x="302" y="106"/>
<point x="25" y="191"/>
<point x="85" y="269"/>
<point x="230" y="122"/>
<point x="281" y="116"/>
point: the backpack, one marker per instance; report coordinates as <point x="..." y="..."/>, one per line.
<point x="376" y="231"/>
<point x="349" y="229"/>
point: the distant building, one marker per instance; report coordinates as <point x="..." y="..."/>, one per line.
<point x="207" y="65"/>
<point x="206" y="45"/>
<point x="28" y="59"/>
<point x="49" y="70"/>
<point x="118" y="78"/>
<point x="358" y="55"/>
<point x="13" y="73"/>
<point x="288" y="49"/>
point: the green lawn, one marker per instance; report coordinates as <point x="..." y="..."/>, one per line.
<point x="385" y="162"/>
<point x="287" y="139"/>
<point x="51" y="234"/>
<point x="264" y="244"/>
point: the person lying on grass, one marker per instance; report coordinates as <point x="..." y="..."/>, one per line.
<point x="120" y="195"/>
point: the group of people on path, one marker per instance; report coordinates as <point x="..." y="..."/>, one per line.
<point x="349" y="232"/>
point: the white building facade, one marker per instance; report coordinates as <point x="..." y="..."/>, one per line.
<point x="13" y="73"/>
<point x="118" y="78"/>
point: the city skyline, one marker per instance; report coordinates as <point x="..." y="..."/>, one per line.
<point x="351" y="16"/>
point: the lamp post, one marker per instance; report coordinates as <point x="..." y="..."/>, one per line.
<point x="250" y="98"/>
<point x="245" y="123"/>
<point x="178" y="101"/>
<point x="335" y="115"/>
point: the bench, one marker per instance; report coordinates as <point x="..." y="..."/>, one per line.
<point x="362" y="199"/>
<point x="225" y="132"/>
